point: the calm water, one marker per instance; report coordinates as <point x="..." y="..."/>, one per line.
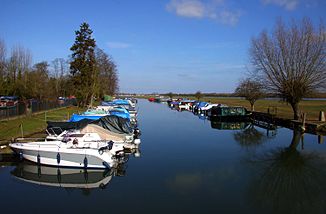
<point x="186" y="166"/>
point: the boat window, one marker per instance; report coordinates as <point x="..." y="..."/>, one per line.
<point x="76" y="135"/>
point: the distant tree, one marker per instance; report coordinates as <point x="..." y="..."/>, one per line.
<point x="170" y="94"/>
<point x="18" y="66"/>
<point x="107" y="73"/>
<point x="83" y="65"/>
<point x="291" y="60"/>
<point x="38" y="81"/>
<point x="198" y="95"/>
<point x="58" y="74"/>
<point x="251" y="90"/>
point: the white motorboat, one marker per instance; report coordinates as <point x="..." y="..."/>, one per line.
<point x="80" y="150"/>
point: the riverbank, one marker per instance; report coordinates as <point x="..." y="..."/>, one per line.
<point x="31" y="124"/>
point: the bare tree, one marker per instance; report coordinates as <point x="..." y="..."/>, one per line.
<point x="107" y="73"/>
<point x="2" y="66"/>
<point x="291" y="60"/>
<point x="251" y="90"/>
<point x="38" y="81"/>
<point x="60" y="69"/>
<point x="18" y="66"/>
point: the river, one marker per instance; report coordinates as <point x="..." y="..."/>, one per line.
<point x="188" y="164"/>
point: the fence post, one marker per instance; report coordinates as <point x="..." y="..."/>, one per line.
<point x="45" y="116"/>
<point x="22" y="130"/>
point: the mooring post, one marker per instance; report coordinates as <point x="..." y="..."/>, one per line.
<point x="322" y="116"/>
<point x="303" y="127"/>
<point x="320" y="139"/>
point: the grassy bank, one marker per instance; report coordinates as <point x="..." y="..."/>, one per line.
<point x="33" y="123"/>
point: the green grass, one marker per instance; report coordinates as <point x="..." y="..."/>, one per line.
<point x="34" y="123"/>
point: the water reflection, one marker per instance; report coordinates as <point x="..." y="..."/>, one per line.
<point x="289" y="180"/>
<point x="67" y="177"/>
<point x="63" y="177"/>
<point x="224" y="125"/>
<point x="250" y="136"/>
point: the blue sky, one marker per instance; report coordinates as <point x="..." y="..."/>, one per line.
<point x="158" y="45"/>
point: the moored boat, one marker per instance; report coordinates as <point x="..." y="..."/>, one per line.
<point x="76" y="150"/>
<point x="228" y="112"/>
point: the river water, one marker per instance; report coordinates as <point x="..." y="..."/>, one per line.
<point x="188" y="164"/>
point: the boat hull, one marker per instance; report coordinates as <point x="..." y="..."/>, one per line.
<point x="64" y="157"/>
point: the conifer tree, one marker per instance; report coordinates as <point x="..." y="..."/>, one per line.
<point x="83" y="65"/>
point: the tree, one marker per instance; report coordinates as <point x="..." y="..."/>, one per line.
<point x="58" y="73"/>
<point x="198" y="95"/>
<point x="2" y="66"/>
<point x="18" y="66"/>
<point x="38" y="81"/>
<point x="107" y="73"/>
<point x="170" y="95"/>
<point x="251" y="90"/>
<point x="83" y="65"/>
<point x="291" y="60"/>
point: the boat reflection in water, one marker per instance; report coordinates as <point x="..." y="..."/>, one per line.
<point x="229" y="124"/>
<point x="69" y="177"/>
<point x="215" y="124"/>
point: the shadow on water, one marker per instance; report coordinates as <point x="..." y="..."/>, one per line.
<point x="288" y="180"/>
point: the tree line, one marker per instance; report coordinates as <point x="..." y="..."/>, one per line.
<point x="89" y="72"/>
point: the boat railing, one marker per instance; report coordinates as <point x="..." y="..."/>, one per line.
<point x="29" y="139"/>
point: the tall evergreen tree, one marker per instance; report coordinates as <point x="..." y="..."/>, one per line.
<point x="83" y="65"/>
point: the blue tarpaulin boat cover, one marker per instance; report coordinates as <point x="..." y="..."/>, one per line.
<point x="120" y="114"/>
<point x="115" y="102"/>
<point x="78" y="117"/>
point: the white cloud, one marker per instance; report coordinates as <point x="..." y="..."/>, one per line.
<point x="187" y="8"/>
<point x="118" y="45"/>
<point x="287" y="4"/>
<point x="214" y="10"/>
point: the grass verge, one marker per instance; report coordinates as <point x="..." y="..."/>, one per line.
<point x="33" y="123"/>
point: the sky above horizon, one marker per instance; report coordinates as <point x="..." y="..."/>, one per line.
<point x="162" y="46"/>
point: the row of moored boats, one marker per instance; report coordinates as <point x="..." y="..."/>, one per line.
<point x="99" y="138"/>
<point x="210" y="110"/>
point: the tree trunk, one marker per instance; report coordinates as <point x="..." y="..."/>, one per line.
<point x="252" y="105"/>
<point x="296" y="137"/>
<point x="295" y="108"/>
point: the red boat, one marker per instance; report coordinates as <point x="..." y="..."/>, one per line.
<point x="151" y="99"/>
